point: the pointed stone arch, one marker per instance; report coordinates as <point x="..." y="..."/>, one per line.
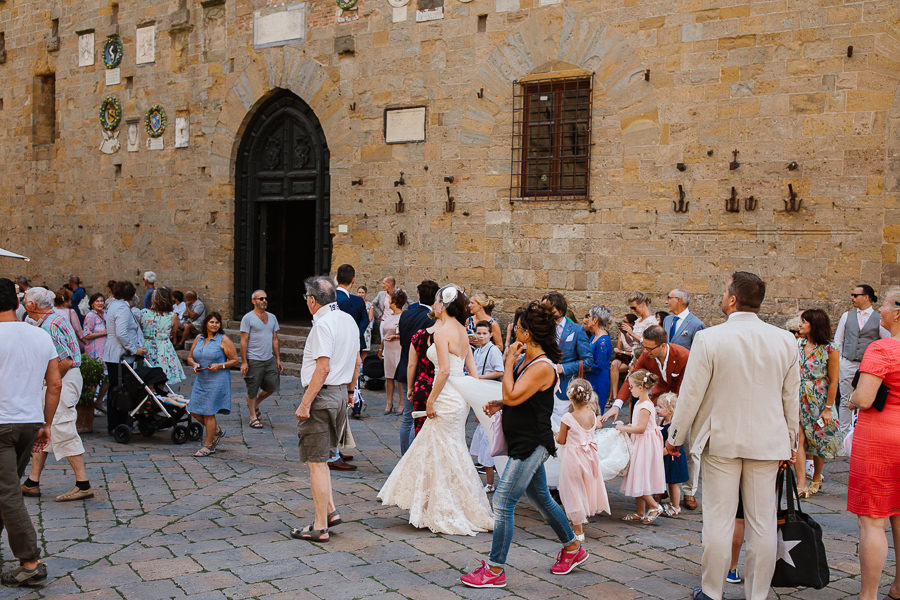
<point x="262" y="75"/>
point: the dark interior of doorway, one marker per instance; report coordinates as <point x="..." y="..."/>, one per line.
<point x="290" y="258"/>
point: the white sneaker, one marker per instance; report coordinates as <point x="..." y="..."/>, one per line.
<point x="489" y="487"/>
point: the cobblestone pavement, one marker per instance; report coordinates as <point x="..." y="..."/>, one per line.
<point x="167" y="525"/>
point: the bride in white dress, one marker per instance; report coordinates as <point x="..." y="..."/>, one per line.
<point x="435" y="480"/>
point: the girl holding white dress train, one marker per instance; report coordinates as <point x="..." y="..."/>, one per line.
<point x="435" y="479"/>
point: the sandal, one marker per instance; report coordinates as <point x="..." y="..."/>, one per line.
<point x="652" y="515"/>
<point x="889" y="597"/>
<point x="803" y="492"/>
<point x="334" y="519"/>
<point x="255" y="424"/>
<point x="815" y="486"/>
<point x="219" y="435"/>
<point x="205" y="451"/>
<point x="633" y="517"/>
<point x="310" y="534"/>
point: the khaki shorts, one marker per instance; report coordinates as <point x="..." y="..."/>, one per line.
<point x="262" y="374"/>
<point x="320" y="434"/>
<point x="64" y="438"/>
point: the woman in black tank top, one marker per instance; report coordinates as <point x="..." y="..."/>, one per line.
<point x="528" y="383"/>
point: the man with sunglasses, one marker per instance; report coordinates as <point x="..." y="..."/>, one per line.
<point x="261" y="365"/>
<point x="857" y="328"/>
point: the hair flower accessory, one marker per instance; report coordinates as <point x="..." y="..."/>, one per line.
<point x="448" y="294"/>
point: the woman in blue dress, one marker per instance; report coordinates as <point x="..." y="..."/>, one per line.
<point x="212" y="354"/>
<point x="596" y="322"/>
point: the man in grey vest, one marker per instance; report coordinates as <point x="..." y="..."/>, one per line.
<point x="858" y="327"/>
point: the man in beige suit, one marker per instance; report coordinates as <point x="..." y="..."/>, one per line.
<point x="739" y="402"/>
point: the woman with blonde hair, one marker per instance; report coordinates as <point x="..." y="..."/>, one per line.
<point x="481" y="306"/>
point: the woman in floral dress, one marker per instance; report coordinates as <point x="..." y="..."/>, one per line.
<point x="424" y="378"/>
<point x="156" y="323"/>
<point x="819" y="364"/>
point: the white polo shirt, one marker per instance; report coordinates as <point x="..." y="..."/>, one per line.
<point x="334" y="334"/>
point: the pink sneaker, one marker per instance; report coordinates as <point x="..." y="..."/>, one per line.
<point x="483" y="577"/>
<point x="566" y="561"/>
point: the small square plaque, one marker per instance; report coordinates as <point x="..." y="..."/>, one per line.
<point x="155" y="143"/>
<point x="281" y="27"/>
<point x="398" y="14"/>
<point x="404" y="125"/>
<point x="113" y="76"/>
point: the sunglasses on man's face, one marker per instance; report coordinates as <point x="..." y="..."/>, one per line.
<point x="856" y="295"/>
<point x="634" y="308"/>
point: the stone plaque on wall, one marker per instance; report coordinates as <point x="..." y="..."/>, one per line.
<point x="146" y="44"/>
<point x="182" y="132"/>
<point x="507" y="5"/>
<point x="86" y="49"/>
<point x="132" y="142"/>
<point x="404" y="125"/>
<point x="429" y="10"/>
<point x="155" y="143"/>
<point x="113" y="76"/>
<point x="278" y="28"/>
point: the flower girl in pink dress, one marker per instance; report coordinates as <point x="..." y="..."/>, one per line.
<point x="646" y="474"/>
<point x="581" y="486"/>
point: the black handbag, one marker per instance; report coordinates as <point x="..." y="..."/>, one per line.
<point x="801" y="560"/>
<point x="880" y="396"/>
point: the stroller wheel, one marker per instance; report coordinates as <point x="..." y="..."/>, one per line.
<point x="179" y="434"/>
<point x="122" y="434"/>
<point x="148" y="428"/>
<point x="195" y="431"/>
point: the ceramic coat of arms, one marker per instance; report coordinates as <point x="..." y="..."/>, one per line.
<point x="112" y="52"/>
<point x="155" y="121"/>
<point x="110" y="113"/>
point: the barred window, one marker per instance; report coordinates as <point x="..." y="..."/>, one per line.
<point x="551" y="138"/>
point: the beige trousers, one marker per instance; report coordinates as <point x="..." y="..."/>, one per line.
<point x="722" y="478"/>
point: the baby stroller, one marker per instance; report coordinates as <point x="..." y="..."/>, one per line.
<point x="372" y="373"/>
<point x="146" y="399"/>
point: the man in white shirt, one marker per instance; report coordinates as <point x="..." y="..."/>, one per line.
<point x="328" y="375"/>
<point x="639" y="304"/>
<point x="28" y="357"/>
<point x="857" y="328"/>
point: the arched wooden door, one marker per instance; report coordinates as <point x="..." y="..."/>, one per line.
<point x="282" y="211"/>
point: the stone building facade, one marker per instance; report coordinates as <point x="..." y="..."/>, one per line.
<point x="281" y="110"/>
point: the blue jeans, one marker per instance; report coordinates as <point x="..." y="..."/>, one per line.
<point x="407" y="430"/>
<point x="528" y="477"/>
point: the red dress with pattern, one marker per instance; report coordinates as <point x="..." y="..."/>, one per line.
<point x="873" y="487"/>
<point x="424" y="379"/>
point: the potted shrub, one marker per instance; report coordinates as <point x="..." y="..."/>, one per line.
<point x="95" y="380"/>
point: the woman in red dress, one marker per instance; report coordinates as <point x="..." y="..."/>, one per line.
<point x="423" y="369"/>
<point x="873" y="487"/>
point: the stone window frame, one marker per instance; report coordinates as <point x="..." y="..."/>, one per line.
<point x="523" y="91"/>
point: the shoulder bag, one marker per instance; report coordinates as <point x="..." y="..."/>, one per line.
<point x="801" y="554"/>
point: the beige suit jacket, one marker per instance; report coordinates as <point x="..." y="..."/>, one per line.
<point x="740" y="394"/>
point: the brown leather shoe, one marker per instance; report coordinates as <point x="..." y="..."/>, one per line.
<point x="339" y="465"/>
<point x="31" y="492"/>
<point x="346" y="457"/>
<point x="690" y="503"/>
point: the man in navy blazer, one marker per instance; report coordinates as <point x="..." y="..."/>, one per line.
<point x="575" y="347"/>
<point x="682" y="324"/>
<point x="350" y="303"/>
<point x="412" y="320"/>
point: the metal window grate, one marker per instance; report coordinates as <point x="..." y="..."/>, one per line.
<point x="551" y="139"/>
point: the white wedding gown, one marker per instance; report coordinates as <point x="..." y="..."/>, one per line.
<point x="435" y="480"/>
